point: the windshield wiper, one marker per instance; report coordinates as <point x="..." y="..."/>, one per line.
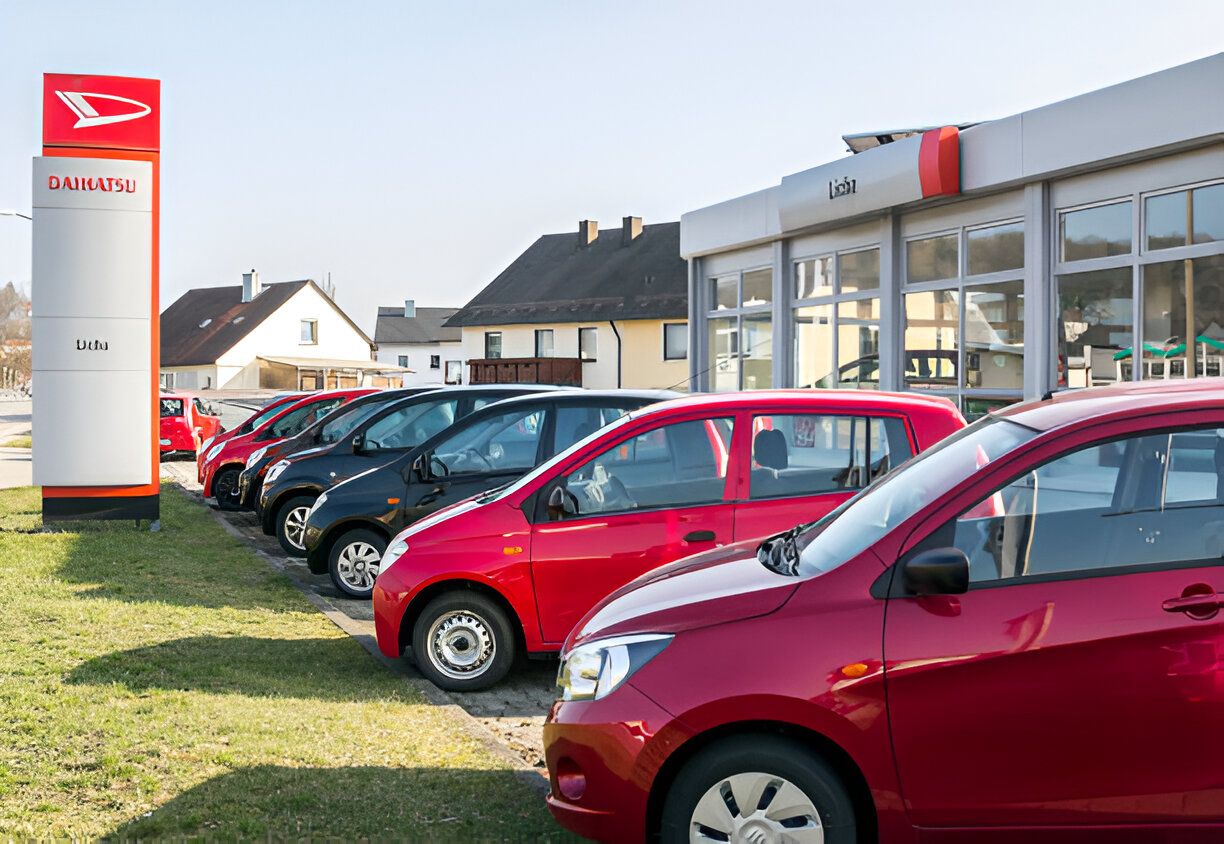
<point x="780" y="552"/>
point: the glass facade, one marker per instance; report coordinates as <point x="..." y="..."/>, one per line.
<point x="740" y="331"/>
<point x="837" y="323"/>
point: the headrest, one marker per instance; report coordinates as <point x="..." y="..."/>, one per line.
<point x="769" y="449"/>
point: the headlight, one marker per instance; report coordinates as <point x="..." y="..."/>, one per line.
<point x="207" y="443"/>
<point x="213" y="452"/>
<point x="596" y="669"/>
<point x="396" y="550"/>
<point x="255" y="455"/>
<point x="275" y="470"/>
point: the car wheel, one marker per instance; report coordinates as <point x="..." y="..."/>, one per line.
<point x="354" y="560"/>
<point x="758" y="788"/>
<point x="462" y="642"/>
<point x="291" y="524"/>
<point x="225" y="488"/>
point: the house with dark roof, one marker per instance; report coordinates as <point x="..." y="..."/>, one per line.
<point x="284" y="336"/>
<point x="596" y="309"/>
<point x="417" y="339"/>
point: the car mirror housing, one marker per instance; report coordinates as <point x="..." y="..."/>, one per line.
<point x="358" y="444"/>
<point x="561" y="503"/>
<point x="940" y="571"/>
<point x="421" y="467"/>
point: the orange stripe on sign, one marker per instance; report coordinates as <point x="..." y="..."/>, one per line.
<point x="939" y="162"/>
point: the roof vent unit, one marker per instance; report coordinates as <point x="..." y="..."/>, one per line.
<point x="250" y="286"/>
<point x="588" y="230"/>
<point x="410" y="309"/>
<point x="631" y="227"/>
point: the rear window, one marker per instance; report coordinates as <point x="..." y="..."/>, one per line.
<point x="171" y="407"/>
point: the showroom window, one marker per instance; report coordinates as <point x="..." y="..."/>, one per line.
<point x="1171" y="278"/>
<point x="964" y="315"/>
<point x="837" y="320"/>
<point x="741" y="331"/>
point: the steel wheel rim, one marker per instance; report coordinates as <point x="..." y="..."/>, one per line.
<point x="755" y="808"/>
<point x="461" y="645"/>
<point x="357" y="565"/>
<point x="295" y="527"/>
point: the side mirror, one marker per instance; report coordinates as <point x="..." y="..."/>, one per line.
<point x="940" y="571"/>
<point x="421" y="467"/>
<point x="358" y="444"/>
<point x="561" y="503"/>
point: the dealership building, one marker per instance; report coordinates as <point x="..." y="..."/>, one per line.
<point x="987" y="262"/>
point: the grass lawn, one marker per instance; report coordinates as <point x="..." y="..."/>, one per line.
<point x="173" y="684"/>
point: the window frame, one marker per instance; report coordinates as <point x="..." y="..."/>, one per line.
<point x="488" y="337"/>
<point x="548" y="334"/>
<point x="588" y="331"/>
<point x="833" y="300"/>
<point x="314" y="332"/>
<point x="685" y="326"/>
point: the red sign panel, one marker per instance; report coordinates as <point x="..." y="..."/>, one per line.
<point x="107" y="112"/>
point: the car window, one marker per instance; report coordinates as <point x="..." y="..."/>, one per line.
<point x="502" y="442"/>
<point x="807" y="454"/>
<point x="410" y="426"/>
<point x="335" y="429"/>
<point x="200" y="408"/>
<point x="295" y="421"/>
<point x="578" y="423"/>
<point x="676" y="465"/>
<point x="1145" y="500"/>
<point x="171" y="407"/>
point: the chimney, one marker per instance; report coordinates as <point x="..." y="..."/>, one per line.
<point x="588" y="230"/>
<point x="250" y="285"/>
<point x="409" y="308"/>
<point x="631" y="227"/>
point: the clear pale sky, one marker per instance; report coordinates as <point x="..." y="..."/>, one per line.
<point x="414" y="149"/>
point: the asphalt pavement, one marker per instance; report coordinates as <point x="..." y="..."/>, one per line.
<point x="15" y="467"/>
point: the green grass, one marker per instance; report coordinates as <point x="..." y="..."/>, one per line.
<point x="172" y="684"/>
<point x="17" y="442"/>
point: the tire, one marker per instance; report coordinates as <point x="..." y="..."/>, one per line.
<point x="291" y="524"/>
<point x="353" y="561"/>
<point x="225" y="488"/>
<point x="721" y="789"/>
<point x="463" y="642"/>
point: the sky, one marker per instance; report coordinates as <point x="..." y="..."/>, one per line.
<point x="412" y="150"/>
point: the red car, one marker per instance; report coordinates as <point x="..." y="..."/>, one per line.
<point x="185" y="423"/>
<point x="1014" y="637"/>
<point x="252" y="422"/>
<point x="225" y="460"/>
<point x="467" y="587"/>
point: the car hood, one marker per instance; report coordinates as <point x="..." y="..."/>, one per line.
<point x="714" y="587"/>
<point x="294" y="456"/>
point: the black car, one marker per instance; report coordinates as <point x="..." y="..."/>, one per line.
<point x="291" y="484"/>
<point x="326" y="430"/>
<point x="350" y="525"/>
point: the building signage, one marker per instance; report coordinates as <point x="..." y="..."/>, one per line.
<point x="95" y="339"/>
<point x="904" y="171"/>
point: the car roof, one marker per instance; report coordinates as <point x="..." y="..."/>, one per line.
<point x="1116" y="401"/>
<point x="856" y="400"/>
<point x="575" y="395"/>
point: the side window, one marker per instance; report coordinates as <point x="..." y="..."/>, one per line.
<point x="504" y="442"/>
<point x="171" y="407"/>
<point x="200" y="408"/>
<point x="410" y="426"/>
<point x="678" y="465"/>
<point x="296" y="421"/>
<point x="808" y="454"/>
<point x="1148" y="500"/>
<point x="578" y="423"/>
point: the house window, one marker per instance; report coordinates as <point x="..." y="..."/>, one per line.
<point x="454" y="371"/>
<point x="167" y="380"/>
<point x="544" y="343"/>
<point x="403" y="361"/>
<point x="675" y="340"/>
<point x="588" y="346"/>
<point x="435" y="361"/>
<point x="310" y="332"/>
<point x="493" y="344"/>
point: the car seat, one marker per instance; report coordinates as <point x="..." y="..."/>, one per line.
<point x="769" y="450"/>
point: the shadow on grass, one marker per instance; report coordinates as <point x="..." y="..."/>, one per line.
<point x="314" y="669"/>
<point x="417" y="804"/>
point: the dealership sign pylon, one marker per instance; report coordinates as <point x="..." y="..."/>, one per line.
<point x="95" y="299"/>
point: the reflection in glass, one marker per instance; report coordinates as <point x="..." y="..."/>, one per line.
<point x="1096" y="323"/>
<point x="813" y="278"/>
<point x="758" y="287"/>
<point x="1173" y="332"/>
<point x="858" y="271"/>
<point x="994" y="336"/>
<point x="1169" y="216"/>
<point x="758" y="352"/>
<point x="858" y="344"/>
<point x="724" y="293"/>
<point x="931" y="339"/>
<point x="932" y="259"/>
<point x="995" y="248"/>
<point x="1096" y="232"/>
<point x="814" y="346"/>
<point x="977" y="407"/>
<point x="724" y="354"/>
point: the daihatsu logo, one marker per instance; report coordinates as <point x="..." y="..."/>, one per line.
<point x="89" y="116"/>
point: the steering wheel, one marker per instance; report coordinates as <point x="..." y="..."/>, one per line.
<point x="471" y="452"/>
<point x="616" y="496"/>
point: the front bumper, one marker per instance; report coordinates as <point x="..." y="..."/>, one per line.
<point x="316" y="557"/>
<point x="250" y="483"/>
<point x="602" y="759"/>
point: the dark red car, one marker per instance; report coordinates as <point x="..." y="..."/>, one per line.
<point x="1014" y="637"/>
<point x="185" y="423"/>
<point x="464" y="589"/>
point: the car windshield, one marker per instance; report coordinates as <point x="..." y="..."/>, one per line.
<point x="171" y="407"/>
<point x="336" y="428"/>
<point x="858" y="523"/>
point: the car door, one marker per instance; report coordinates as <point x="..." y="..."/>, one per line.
<point x="1079" y="681"/>
<point x="652" y="498"/>
<point x="802" y="465"/>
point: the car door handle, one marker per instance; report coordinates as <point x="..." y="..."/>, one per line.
<point x="1197" y="604"/>
<point x="433" y="495"/>
<point x="699" y="536"/>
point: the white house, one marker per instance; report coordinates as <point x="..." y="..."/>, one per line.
<point x="286" y="336"/>
<point x="414" y="338"/>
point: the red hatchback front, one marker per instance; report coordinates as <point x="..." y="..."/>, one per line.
<point x="523" y="564"/>
<point x="1016" y="635"/>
